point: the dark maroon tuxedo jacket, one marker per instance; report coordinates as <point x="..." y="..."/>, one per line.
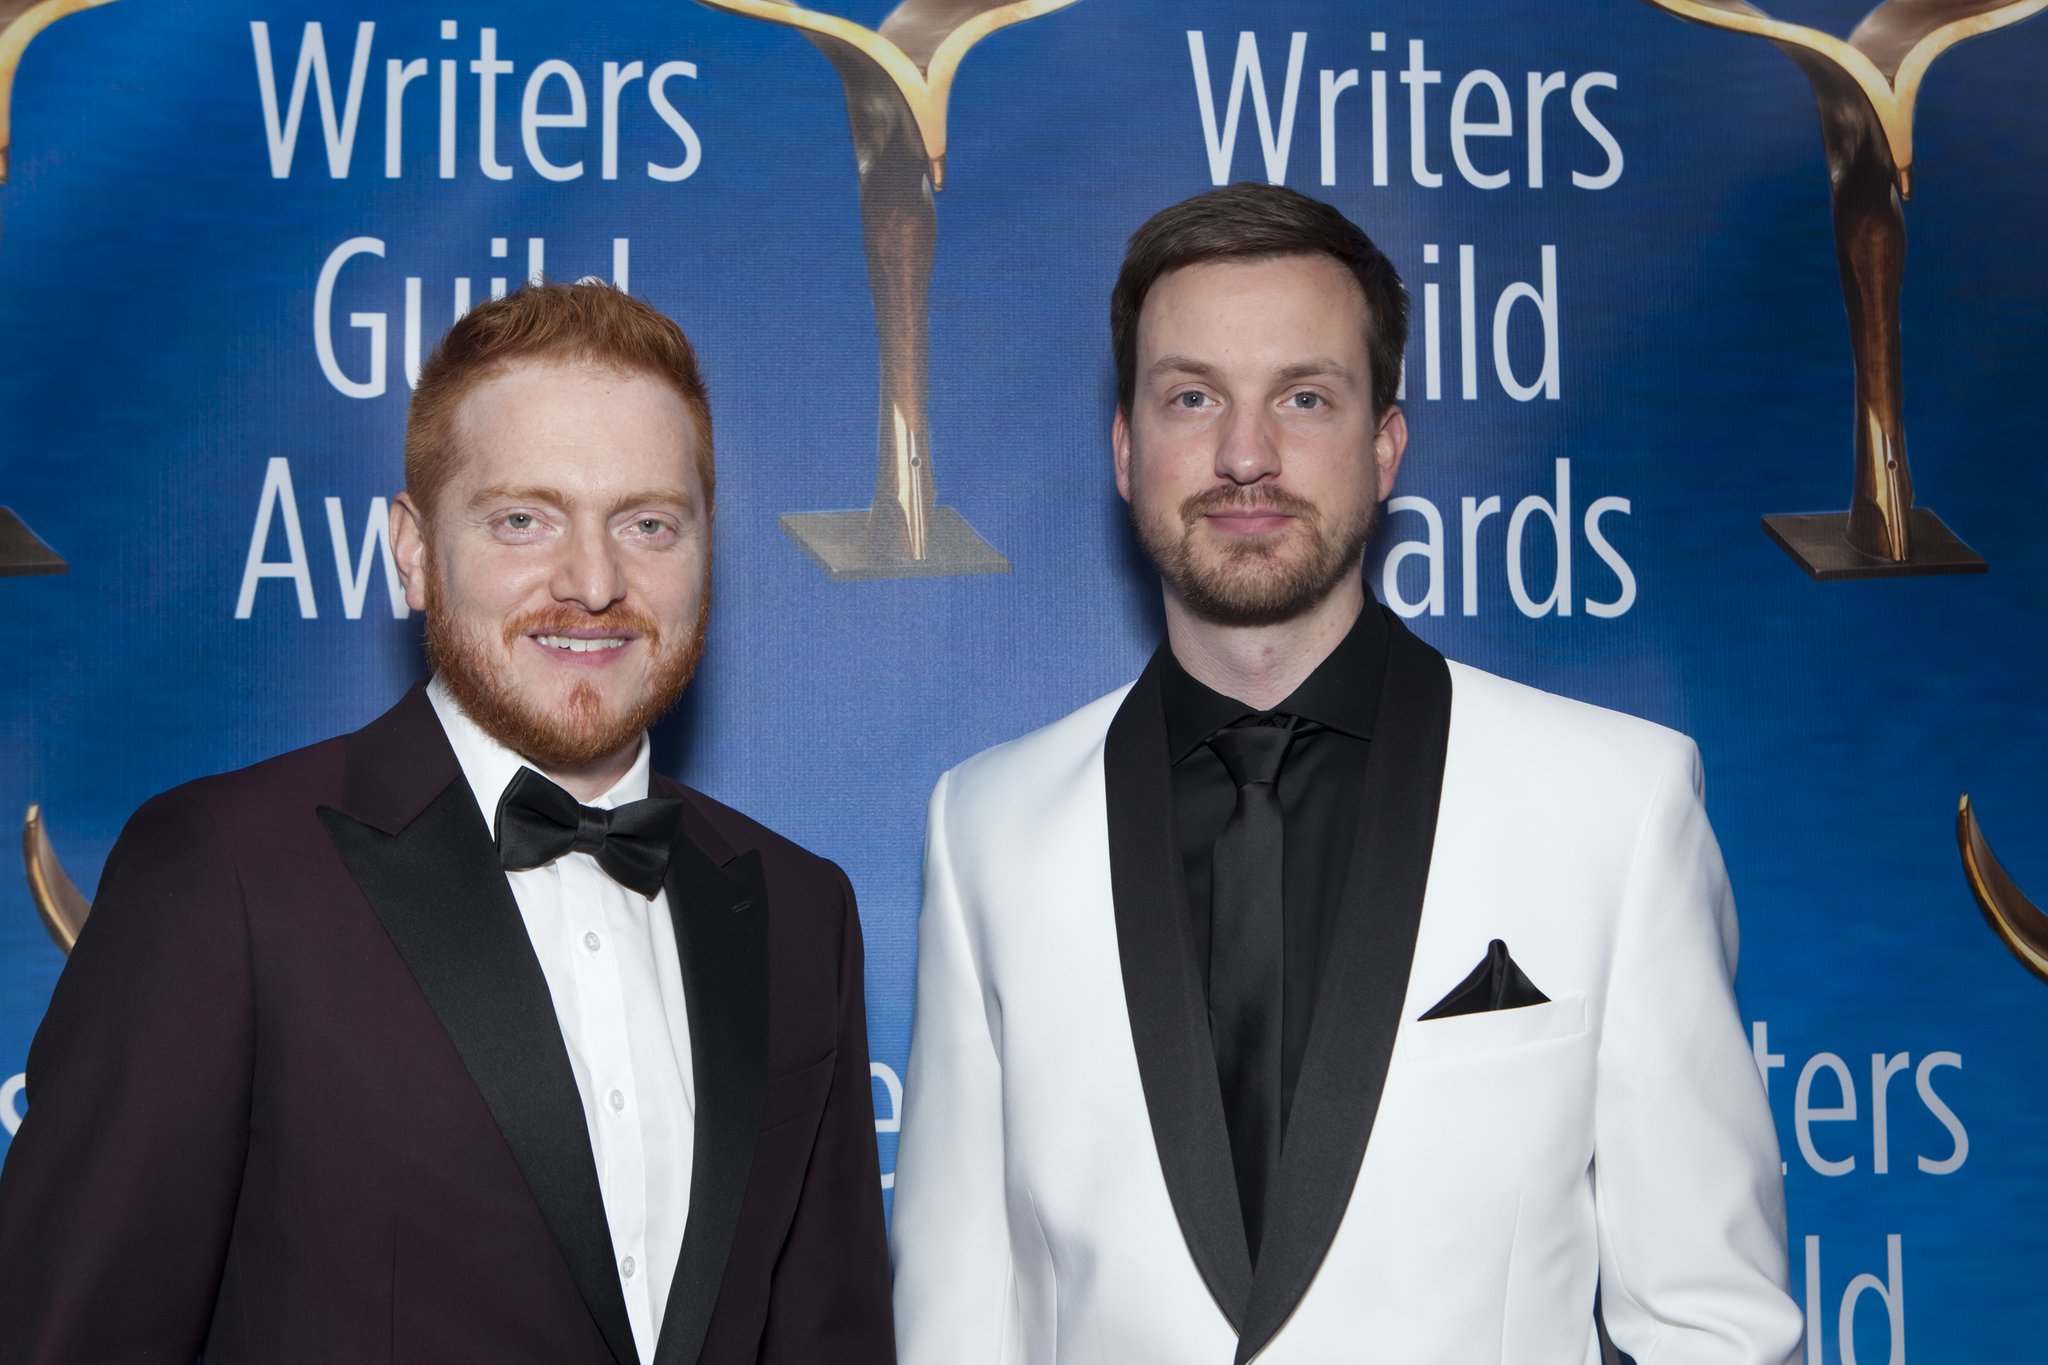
<point x="300" y="1096"/>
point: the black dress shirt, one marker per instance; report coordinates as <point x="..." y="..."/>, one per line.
<point x="1322" y="799"/>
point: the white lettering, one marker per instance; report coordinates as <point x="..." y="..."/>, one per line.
<point x="277" y="497"/>
<point x="323" y="322"/>
<point x="1501" y="125"/>
<point x="397" y="75"/>
<point x="1559" y="515"/>
<point x="1805" y="1114"/>
<point x="1609" y="556"/>
<point x="1418" y="78"/>
<point x="1767" y="1061"/>
<point x="693" y="150"/>
<point x="1545" y="300"/>
<point x="1891" y="1290"/>
<point x="487" y="68"/>
<point x="1276" y="142"/>
<point x="616" y="79"/>
<point x="1541" y="87"/>
<point x="1598" y="130"/>
<point x="892" y="1085"/>
<point x="1881" y="1072"/>
<point x="1943" y="1115"/>
<point x="10" y="1098"/>
<point x="1474" y="512"/>
<point x="355" y="583"/>
<point x="532" y="120"/>
<point x="283" y="133"/>
<point x="1430" y="551"/>
<point x="1334" y="84"/>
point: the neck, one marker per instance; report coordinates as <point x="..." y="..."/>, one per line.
<point x="1262" y="665"/>
<point x="586" y="782"/>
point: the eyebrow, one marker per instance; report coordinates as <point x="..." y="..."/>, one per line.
<point x="664" y="497"/>
<point x="1180" y="364"/>
<point x="1318" y="367"/>
<point x="1315" y="367"/>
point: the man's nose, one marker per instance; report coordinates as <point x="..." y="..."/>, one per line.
<point x="1247" y="451"/>
<point x="588" y="571"/>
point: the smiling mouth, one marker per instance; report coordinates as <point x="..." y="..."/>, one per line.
<point x="577" y="645"/>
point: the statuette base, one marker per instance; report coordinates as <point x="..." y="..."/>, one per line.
<point x="1818" y="540"/>
<point x="22" y="551"/>
<point x="838" y="543"/>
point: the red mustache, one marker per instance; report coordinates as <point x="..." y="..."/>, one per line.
<point x="560" y="620"/>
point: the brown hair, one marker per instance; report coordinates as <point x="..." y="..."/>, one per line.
<point x="589" y="322"/>
<point x="1253" y="222"/>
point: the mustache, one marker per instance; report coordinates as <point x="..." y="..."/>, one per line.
<point x="559" y="619"/>
<point x="1257" y="498"/>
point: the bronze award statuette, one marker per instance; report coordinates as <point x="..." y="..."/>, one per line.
<point x="1867" y="87"/>
<point x="61" y="904"/>
<point x="2018" y="922"/>
<point x="20" y="22"/>
<point x="898" y="80"/>
<point x="22" y="552"/>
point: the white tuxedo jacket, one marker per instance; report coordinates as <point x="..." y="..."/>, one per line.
<point x="1450" y="1191"/>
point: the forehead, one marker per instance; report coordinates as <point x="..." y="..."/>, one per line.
<point x="1305" y="302"/>
<point x="575" y="426"/>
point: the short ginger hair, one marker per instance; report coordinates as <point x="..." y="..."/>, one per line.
<point x="589" y="322"/>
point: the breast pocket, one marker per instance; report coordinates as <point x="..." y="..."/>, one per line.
<point x="1495" y="1110"/>
<point x="1467" y="1035"/>
<point x="797" y="1094"/>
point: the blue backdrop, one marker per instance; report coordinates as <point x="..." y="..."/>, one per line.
<point x="169" y="425"/>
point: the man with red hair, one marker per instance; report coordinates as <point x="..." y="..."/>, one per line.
<point x="465" y="1036"/>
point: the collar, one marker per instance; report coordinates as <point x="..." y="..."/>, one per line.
<point x="1342" y="693"/>
<point x="489" y="766"/>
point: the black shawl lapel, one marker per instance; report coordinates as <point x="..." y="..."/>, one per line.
<point x="429" y="869"/>
<point x="1166" y="1002"/>
<point x="721" y="919"/>
<point x="1358" y="1003"/>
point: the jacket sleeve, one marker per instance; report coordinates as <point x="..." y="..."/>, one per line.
<point x="1687" y="1185"/>
<point x="829" y="1304"/>
<point x="119" y="1191"/>
<point x="955" y="1295"/>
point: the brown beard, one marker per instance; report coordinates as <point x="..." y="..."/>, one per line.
<point x="579" y="734"/>
<point x="1255" y="586"/>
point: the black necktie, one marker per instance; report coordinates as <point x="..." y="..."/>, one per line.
<point x="1247" y="958"/>
<point x="538" y="822"/>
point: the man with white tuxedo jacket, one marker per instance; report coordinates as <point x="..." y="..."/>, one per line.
<point x="1313" y="999"/>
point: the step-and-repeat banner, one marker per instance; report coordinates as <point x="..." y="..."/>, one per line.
<point x="1690" y="284"/>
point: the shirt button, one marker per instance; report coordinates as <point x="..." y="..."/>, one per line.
<point x="618" y="1101"/>
<point x="628" y="1267"/>
<point x="592" y="942"/>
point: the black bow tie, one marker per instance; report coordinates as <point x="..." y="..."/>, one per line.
<point x="538" y="822"/>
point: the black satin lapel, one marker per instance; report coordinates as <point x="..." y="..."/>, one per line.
<point x="1358" y="1004"/>
<point x="1169" y="1017"/>
<point x="721" y="919"/>
<point x="437" y="887"/>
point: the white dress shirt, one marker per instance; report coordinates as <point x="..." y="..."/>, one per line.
<point x="609" y="956"/>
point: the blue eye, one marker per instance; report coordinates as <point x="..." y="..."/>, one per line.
<point x="520" y="521"/>
<point x="1305" y="400"/>
<point x="1193" y="398"/>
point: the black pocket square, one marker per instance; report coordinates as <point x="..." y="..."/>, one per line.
<point x="1495" y="984"/>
